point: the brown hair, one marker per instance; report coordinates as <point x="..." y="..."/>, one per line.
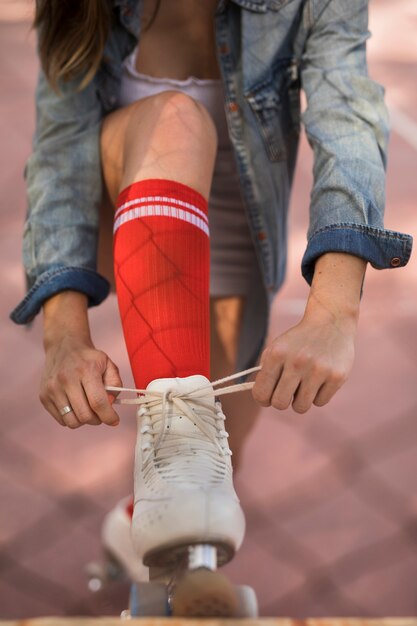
<point x="71" y="37"/>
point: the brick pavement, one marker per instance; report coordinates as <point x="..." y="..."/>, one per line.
<point x="330" y="496"/>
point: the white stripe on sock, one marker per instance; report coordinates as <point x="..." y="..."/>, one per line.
<point x="160" y="199"/>
<point x="161" y="210"/>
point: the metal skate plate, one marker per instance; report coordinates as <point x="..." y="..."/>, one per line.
<point x="193" y="588"/>
<point x="171" y="555"/>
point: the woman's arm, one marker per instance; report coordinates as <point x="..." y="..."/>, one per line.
<point x="346" y="123"/>
<point x="75" y="372"/>
<point x="64" y="190"/>
<point x="311" y="361"/>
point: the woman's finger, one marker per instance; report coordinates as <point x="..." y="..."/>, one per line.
<point x="285" y="389"/>
<point x="69" y="418"/>
<point x="328" y="390"/>
<point x="51" y="408"/>
<point x="111" y="378"/>
<point x="80" y="405"/>
<point x="306" y="393"/>
<point x="98" y="399"/>
<point x="266" y="380"/>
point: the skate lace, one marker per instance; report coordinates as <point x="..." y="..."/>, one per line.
<point x="202" y="453"/>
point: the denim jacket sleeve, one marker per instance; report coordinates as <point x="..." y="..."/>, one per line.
<point x="346" y="122"/>
<point x="64" y="186"/>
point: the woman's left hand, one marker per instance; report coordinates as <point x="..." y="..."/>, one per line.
<point x="311" y="361"/>
<point x="307" y="364"/>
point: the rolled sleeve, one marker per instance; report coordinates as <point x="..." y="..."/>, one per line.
<point x="86" y="281"/>
<point x="64" y="191"/>
<point x="380" y="247"/>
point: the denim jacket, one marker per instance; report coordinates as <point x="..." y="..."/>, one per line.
<point x="267" y="51"/>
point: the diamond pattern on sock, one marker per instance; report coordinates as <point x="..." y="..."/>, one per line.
<point x="162" y="273"/>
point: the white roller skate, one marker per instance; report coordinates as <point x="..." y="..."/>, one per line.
<point x="187" y="517"/>
<point x="119" y="558"/>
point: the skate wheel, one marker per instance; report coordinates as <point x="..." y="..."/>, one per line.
<point x="148" y="599"/>
<point x="204" y="593"/>
<point x="247" y="601"/>
<point x="101" y="573"/>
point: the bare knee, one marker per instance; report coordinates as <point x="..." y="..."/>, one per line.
<point x="168" y="135"/>
<point x="179" y="112"/>
<point x="183" y="109"/>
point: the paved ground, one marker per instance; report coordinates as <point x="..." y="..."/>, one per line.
<point x="330" y="496"/>
<point x="114" y="621"/>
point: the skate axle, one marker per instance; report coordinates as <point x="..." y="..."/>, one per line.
<point x="202" y="555"/>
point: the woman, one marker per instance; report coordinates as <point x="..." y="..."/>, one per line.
<point x="146" y="122"/>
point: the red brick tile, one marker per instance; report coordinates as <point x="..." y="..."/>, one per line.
<point x="394" y="585"/>
<point x="255" y="566"/>
<point x="21" y="506"/>
<point x="17" y="604"/>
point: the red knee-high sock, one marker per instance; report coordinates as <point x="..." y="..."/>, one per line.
<point x="162" y="272"/>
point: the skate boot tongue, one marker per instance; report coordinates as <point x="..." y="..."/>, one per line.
<point x="182" y="388"/>
<point x="181" y="385"/>
<point x="183" y="433"/>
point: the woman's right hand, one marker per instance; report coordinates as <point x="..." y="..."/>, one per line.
<point x="75" y="374"/>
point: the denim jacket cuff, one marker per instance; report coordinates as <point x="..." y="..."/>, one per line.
<point x="381" y="248"/>
<point x="85" y="280"/>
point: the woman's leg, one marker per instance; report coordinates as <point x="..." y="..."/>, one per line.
<point x="170" y="136"/>
<point x="158" y="158"/>
<point x="240" y="408"/>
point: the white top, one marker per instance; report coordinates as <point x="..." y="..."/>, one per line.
<point x="207" y="91"/>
